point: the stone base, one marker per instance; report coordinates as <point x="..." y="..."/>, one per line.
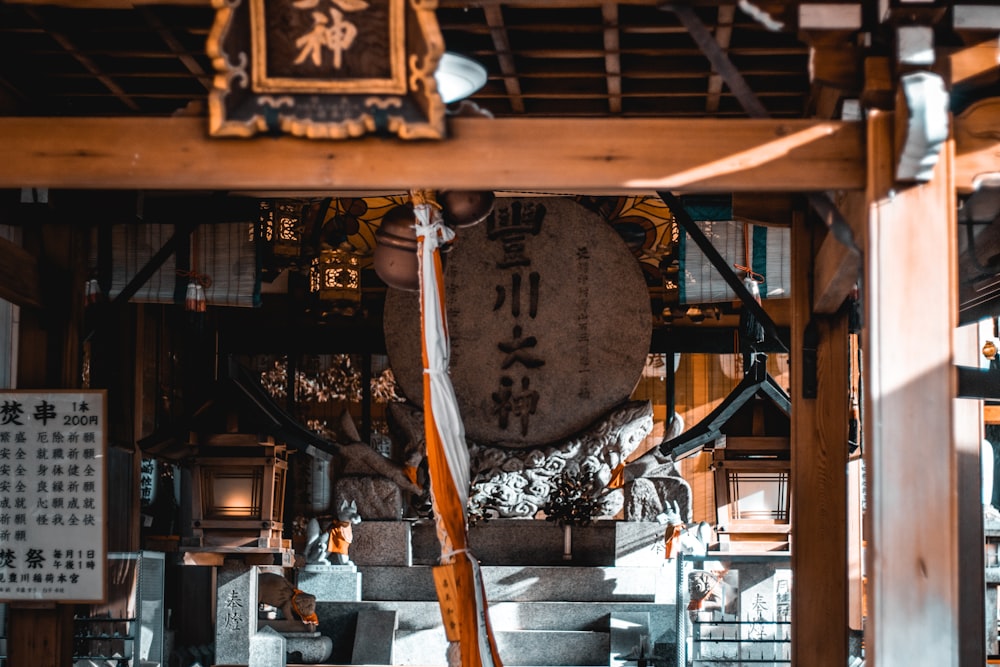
<point x="640" y="543"/>
<point x="308" y="647"/>
<point x="523" y="542"/>
<point x="382" y="543"/>
<point x="330" y="568"/>
<point x="331" y="583"/>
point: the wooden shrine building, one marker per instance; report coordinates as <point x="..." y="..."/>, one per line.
<point x="867" y="129"/>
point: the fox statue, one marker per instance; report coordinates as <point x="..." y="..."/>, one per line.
<point x="331" y="546"/>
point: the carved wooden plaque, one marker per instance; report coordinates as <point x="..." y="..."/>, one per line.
<point x="326" y="68"/>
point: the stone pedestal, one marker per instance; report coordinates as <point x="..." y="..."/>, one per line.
<point x="331" y="583"/>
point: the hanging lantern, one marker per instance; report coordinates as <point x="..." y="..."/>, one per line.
<point x="284" y="226"/>
<point x="335" y="279"/>
<point x="396" y="253"/>
<point x="265" y="223"/>
<point x="194" y="297"/>
<point x="289" y="229"/>
<point x="91" y="291"/>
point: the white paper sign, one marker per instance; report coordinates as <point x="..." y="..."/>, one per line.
<point x="52" y="495"/>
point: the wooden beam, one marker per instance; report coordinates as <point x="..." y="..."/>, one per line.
<point x="991" y="414"/>
<point x="910" y="391"/>
<point x="461" y="4"/>
<point x="974" y="66"/>
<point x="765" y="208"/>
<point x="532" y="154"/>
<point x="720" y="61"/>
<point x="819" y="475"/>
<point x="723" y="35"/>
<point x="175" y="46"/>
<point x="836" y="274"/>
<point x="505" y="56"/>
<point x="612" y="57"/>
<point x="977" y="139"/>
<point x="19" y="281"/>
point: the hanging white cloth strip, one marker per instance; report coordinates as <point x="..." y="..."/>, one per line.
<point x="433" y="234"/>
<point x="458" y="579"/>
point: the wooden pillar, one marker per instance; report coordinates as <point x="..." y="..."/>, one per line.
<point x="909" y="296"/>
<point x="40" y="635"/>
<point x="820" y="423"/>
<point x="973" y="621"/>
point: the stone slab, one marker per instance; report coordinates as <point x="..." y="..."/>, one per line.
<point x="522" y="542"/>
<point x="382" y="543"/>
<point x="531" y="583"/>
<point x="421" y="647"/>
<point x="331" y="585"/>
<point x="553" y="647"/>
<point x="639" y="543"/>
<point x="267" y="648"/>
<point x="374" y="637"/>
<point x="536" y="615"/>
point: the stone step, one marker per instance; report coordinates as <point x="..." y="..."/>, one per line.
<point x="421" y="647"/>
<point x="530" y="583"/>
<point x="553" y="647"/>
<point x="604" y="542"/>
<point x="517" y="648"/>
<point x="422" y="615"/>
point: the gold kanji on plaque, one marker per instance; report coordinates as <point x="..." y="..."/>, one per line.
<point x="330" y="69"/>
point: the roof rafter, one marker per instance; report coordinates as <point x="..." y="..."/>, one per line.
<point x="87" y="63"/>
<point x="494" y="18"/>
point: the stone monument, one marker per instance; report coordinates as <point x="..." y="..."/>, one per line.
<point x="548" y="318"/>
<point x="549" y="325"/>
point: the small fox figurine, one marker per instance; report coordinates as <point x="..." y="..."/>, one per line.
<point x="330" y="547"/>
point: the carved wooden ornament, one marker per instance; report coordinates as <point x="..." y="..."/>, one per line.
<point x="327" y="69"/>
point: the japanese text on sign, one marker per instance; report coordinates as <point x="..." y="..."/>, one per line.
<point x="52" y="489"/>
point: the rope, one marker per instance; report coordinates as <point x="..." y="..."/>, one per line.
<point x="748" y="258"/>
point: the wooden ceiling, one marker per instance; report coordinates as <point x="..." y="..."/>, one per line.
<point x="117" y="70"/>
<point x="554" y="58"/>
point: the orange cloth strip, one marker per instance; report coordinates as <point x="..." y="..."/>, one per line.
<point x="465" y="607"/>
